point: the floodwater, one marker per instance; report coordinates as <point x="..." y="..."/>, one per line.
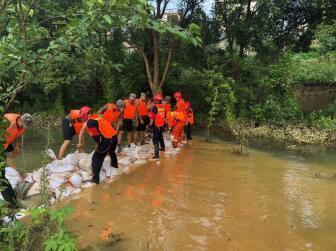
<point x="207" y="198"/>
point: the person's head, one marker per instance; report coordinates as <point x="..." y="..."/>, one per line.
<point x="177" y="95"/>
<point x="158" y="98"/>
<point x="25" y="120"/>
<point x="84" y="112"/>
<point x="120" y="104"/>
<point x="168" y="99"/>
<point x="188" y="105"/>
<point x="143" y="96"/>
<point x="132" y="98"/>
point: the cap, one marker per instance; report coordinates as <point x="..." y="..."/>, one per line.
<point x="132" y="96"/>
<point x="27" y="119"/>
<point x="120" y="103"/>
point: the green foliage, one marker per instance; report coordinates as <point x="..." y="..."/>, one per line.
<point x="326" y="38"/>
<point x="319" y="120"/>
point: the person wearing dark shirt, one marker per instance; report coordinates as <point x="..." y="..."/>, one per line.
<point x="157" y="122"/>
<point x="106" y="138"/>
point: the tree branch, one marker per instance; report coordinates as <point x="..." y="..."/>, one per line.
<point x="170" y="53"/>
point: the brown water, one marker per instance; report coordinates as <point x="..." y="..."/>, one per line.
<point x="207" y="198"/>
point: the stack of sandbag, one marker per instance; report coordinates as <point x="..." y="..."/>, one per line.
<point x="13" y="176"/>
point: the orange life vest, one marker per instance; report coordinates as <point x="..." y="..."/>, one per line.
<point x="105" y="127"/>
<point x="76" y="120"/>
<point x="191" y="116"/>
<point x="168" y="108"/>
<point x="13" y="131"/>
<point x="176" y="115"/>
<point x="112" y="113"/>
<point x="181" y="107"/>
<point x="129" y="112"/>
<point x="142" y="107"/>
<point x="160" y="116"/>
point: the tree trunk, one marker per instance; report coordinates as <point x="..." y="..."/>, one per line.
<point x="170" y="53"/>
<point x="156" y="62"/>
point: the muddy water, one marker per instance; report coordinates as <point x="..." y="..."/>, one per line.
<point x="207" y="198"/>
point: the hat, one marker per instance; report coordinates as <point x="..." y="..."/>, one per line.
<point x="120" y="103"/>
<point x="27" y="119"/>
<point x="132" y="96"/>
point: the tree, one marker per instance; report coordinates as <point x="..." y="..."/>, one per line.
<point x="160" y="29"/>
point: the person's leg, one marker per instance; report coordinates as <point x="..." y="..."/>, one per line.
<point x="156" y="142"/>
<point x="68" y="133"/>
<point x="187" y="132"/>
<point x="129" y="138"/>
<point x="97" y="162"/>
<point x="112" y="153"/>
<point x="161" y="140"/>
<point x="190" y="134"/>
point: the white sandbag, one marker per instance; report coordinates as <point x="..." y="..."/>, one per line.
<point x="34" y="190"/>
<point x="86" y="175"/>
<point x="29" y="178"/>
<point x="111" y="171"/>
<point x="56" y="183"/>
<point x="13" y="176"/>
<point x="124" y="161"/>
<point x="64" y="175"/>
<point x="70" y="159"/>
<point x="85" y="163"/>
<point x="51" y="154"/>
<point x="76" y="180"/>
<point x="87" y="184"/>
<point x="36" y="175"/>
<point x="62" y="168"/>
<point x="102" y="175"/>
<point x="139" y="162"/>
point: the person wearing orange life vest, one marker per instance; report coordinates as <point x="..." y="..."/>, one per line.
<point x="143" y="119"/>
<point x="106" y="137"/>
<point x="129" y="121"/>
<point x="112" y="113"/>
<point x="157" y="122"/>
<point x="167" y="103"/>
<point x="190" y="121"/>
<point x="177" y="126"/>
<point x="180" y="108"/>
<point x="72" y="125"/>
<point x="16" y="128"/>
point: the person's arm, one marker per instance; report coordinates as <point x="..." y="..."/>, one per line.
<point x="80" y="144"/>
<point x="102" y="110"/>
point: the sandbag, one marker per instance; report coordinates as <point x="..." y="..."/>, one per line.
<point x="34" y="190"/>
<point x="140" y="162"/>
<point x="111" y="171"/>
<point x="56" y="183"/>
<point x="13" y="176"/>
<point x="61" y="167"/>
<point x="124" y="161"/>
<point x="86" y="175"/>
<point x="76" y="180"/>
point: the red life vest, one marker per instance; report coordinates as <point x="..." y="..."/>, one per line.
<point x="13" y="130"/>
<point x="105" y="128"/>
<point x="191" y="116"/>
<point x="112" y="113"/>
<point x="142" y="107"/>
<point x="160" y="116"/>
<point x="76" y="120"/>
<point x="130" y="109"/>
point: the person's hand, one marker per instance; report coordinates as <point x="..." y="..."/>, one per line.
<point x="80" y="147"/>
<point x="141" y="121"/>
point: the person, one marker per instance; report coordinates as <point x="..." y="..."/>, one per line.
<point x="157" y="122"/>
<point x="181" y="108"/>
<point x="130" y="115"/>
<point x="72" y="125"/>
<point x="104" y="134"/>
<point x="176" y="127"/>
<point x="143" y="119"/>
<point x="167" y="103"/>
<point x="190" y="121"/>
<point x="16" y="128"/>
<point x="112" y="112"/>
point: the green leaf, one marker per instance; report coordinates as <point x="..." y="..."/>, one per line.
<point x="108" y="19"/>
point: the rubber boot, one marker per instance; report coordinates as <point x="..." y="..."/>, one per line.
<point x="156" y="152"/>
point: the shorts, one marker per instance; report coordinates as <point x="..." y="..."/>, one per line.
<point x="9" y="148"/>
<point x="142" y="127"/>
<point x="68" y="129"/>
<point x="127" y="125"/>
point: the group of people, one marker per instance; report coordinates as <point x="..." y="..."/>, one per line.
<point x="135" y="117"/>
